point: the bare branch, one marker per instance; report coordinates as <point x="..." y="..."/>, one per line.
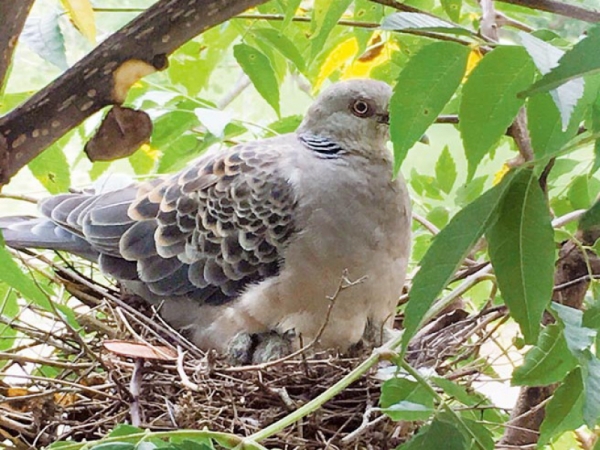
<point x="104" y="76"/>
<point x="560" y="8"/>
<point x="13" y="18"/>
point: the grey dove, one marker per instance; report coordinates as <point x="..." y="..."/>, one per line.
<point x="248" y="243"/>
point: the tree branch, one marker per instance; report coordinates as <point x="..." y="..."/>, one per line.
<point x="560" y="8"/>
<point x="13" y="18"/>
<point x="104" y="76"/>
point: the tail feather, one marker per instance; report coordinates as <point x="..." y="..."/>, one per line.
<point x="35" y="232"/>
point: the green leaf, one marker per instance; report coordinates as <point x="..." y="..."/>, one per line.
<point x="410" y="21"/>
<point x="290" y="10"/>
<point x="326" y="14"/>
<point x="286" y="124"/>
<point x="468" y="192"/>
<point x="260" y="71"/>
<point x="591" y="404"/>
<point x="545" y="126"/>
<point x="13" y="276"/>
<point x="445" y="171"/>
<point x="452" y="8"/>
<point x="579" y="338"/>
<point x="423" y="88"/>
<point x="447" y="251"/>
<point x="178" y="153"/>
<point x="282" y="44"/>
<point x="114" y="446"/>
<point x="489" y="100"/>
<point x="438" y="435"/>
<point x="564" y="411"/>
<point x="171" y="126"/>
<point x="42" y="35"/>
<point x="582" y="59"/>
<point x="579" y="193"/>
<point x="521" y="247"/>
<point x="547" y="362"/>
<point x="402" y="399"/>
<point x="52" y="169"/>
<point x="595" y="128"/>
<point x="366" y="11"/>
<point x="546" y="56"/>
<point x="591" y="219"/>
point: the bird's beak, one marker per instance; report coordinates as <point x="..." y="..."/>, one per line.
<point x="383" y="118"/>
<point x="424" y="139"/>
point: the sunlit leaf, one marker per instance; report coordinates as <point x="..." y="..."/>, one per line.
<point x="402" y="399"/>
<point x="81" y="13"/>
<point x="51" y="168"/>
<point x="489" y="100"/>
<point x="325" y="16"/>
<point x="423" y="88"/>
<point x="282" y="44"/>
<point x="260" y="71"/>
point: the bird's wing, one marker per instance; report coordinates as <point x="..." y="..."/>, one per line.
<point x="204" y="233"/>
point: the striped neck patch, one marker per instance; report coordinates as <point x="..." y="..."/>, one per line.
<point x="323" y="147"/>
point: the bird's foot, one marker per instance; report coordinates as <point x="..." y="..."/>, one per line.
<point x="258" y="348"/>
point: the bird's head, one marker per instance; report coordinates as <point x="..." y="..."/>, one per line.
<point x="352" y="113"/>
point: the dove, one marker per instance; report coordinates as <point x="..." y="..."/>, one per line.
<point x="248" y="246"/>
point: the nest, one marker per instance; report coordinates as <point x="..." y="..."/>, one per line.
<point x="78" y="390"/>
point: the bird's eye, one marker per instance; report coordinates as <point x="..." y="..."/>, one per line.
<point x="360" y="108"/>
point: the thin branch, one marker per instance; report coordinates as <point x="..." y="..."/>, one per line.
<point x="560" y="8"/>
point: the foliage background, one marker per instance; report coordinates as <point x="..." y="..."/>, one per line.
<point x="212" y="94"/>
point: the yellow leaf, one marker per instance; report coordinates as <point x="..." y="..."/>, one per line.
<point x="341" y="55"/>
<point x="378" y="52"/>
<point x="81" y="14"/>
<point x="474" y="57"/>
<point x="498" y="176"/>
<point x="152" y="153"/>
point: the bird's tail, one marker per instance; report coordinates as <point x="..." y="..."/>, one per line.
<point x="23" y="232"/>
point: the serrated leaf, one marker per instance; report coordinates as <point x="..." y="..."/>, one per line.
<point x="423" y="88"/>
<point x="52" y="169"/>
<point x="564" y="410"/>
<point x="402" y="399"/>
<point x="445" y="171"/>
<point x="260" y="71"/>
<point x="42" y="35"/>
<point x="81" y="13"/>
<point x="546" y="56"/>
<point x="447" y="251"/>
<point x="325" y="16"/>
<point x="281" y="44"/>
<point x="438" y="435"/>
<point x="452" y="8"/>
<point x="489" y="100"/>
<point x="405" y="21"/>
<point x="547" y="362"/>
<point x="591" y="403"/>
<point x="582" y="59"/>
<point x="521" y="247"/>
